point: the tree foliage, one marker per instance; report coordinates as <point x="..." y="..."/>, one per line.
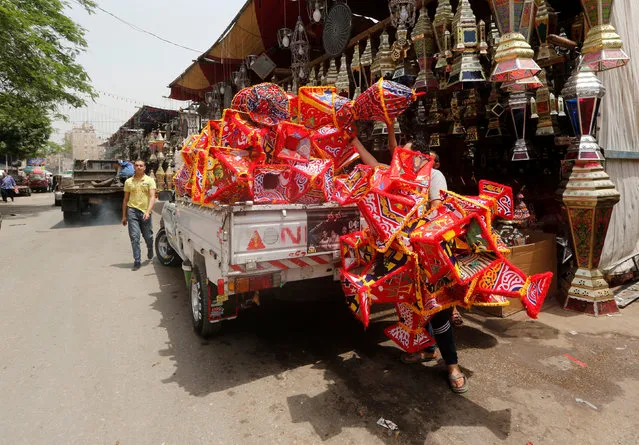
<point x="39" y="45"/>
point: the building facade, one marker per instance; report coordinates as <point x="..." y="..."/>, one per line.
<point x="85" y="143"/>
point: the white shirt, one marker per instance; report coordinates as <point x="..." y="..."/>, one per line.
<point x="437" y="184"/>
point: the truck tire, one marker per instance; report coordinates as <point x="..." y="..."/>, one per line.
<point x="199" y="297"/>
<point x="163" y="250"/>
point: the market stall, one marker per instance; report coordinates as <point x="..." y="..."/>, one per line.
<point x="509" y="92"/>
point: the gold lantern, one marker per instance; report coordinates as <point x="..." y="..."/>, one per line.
<point x="423" y="38"/>
<point x="383" y="64"/>
<point x="342" y="83"/>
<point x="442" y="23"/>
<point x="603" y="48"/>
<point x="545" y="24"/>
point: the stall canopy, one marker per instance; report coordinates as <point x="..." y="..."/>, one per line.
<point x="254" y="31"/>
<point x="147" y="118"/>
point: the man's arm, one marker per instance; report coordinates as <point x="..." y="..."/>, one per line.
<point x="367" y="158"/>
<point x="147" y="215"/>
<point x="392" y="140"/>
<point x="125" y="202"/>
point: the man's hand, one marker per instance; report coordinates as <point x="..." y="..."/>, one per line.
<point x="146" y="216"/>
<point x="124" y="221"/>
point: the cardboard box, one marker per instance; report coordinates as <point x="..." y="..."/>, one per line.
<point x="539" y="256"/>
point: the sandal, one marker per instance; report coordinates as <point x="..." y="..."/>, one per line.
<point x="452" y="379"/>
<point x="456" y="318"/>
<point x="417" y="357"/>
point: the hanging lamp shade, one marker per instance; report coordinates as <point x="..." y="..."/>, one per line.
<point x="603" y="48"/>
<point x="316" y="10"/>
<point x="514" y="55"/>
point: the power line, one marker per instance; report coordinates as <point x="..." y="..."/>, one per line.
<point x="137" y="28"/>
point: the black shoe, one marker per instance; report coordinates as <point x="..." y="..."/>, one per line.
<point x="136" y="266"/>
<point x="149" y="253"/>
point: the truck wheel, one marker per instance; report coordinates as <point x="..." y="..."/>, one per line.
<point x="163" y="250"/>
<point x="199" y="305"/>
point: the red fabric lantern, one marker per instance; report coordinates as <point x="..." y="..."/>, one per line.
<point x="267" y="104"/>
<point x="335" y="143"/>
<point x="228" y="176"/>
<point x="320" y="106"/>
<point x="351" y="188"/>
<point x="383" y="102"/>
<point x="312" y="182"/>
<point x="272" y="184"/>
<point x="293" y="143"/>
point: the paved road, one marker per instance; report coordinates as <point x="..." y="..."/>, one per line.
<point x="93" y="353"/>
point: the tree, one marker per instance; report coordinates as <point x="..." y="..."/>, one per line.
<point x="39" y="45"/>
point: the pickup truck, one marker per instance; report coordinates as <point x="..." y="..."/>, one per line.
<point x="230" y="253"/>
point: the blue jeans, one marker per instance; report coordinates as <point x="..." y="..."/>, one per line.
<point x="138" y="225"/>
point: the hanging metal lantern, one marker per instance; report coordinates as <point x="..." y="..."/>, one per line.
<point x="582" y="94"/>
<point x="545" y="24"/>
<point x="522" y="85"/>
<point x="300" y="53"/>
<point x="312" y="80"/>
<point x="342" y="83"/>
<point x="367" y="55"/>
<point x="383" y="64"/>
<point x="316" y="10"/>
<point x="332" y="73"/>
<point x="543" y="106"/>
<point x="518" y="104"/>
<point x="423" y="38"/>
<point x="402" y="13"/>
<point x="442" y="23"/>
<point x="241" y="78"/>
<point x="494" y="110"/>
<point x="603" y="48"/>
<point x="514" y="56"/>
<point x="284" y="36"/>
<point x="466" y="69"/>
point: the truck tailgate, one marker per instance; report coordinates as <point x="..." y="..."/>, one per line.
<point x="277" y="234"/>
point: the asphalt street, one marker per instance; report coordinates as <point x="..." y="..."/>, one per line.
<point x="94" y="353"/>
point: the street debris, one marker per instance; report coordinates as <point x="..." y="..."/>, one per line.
<point x="622" y="349"/>
<point x="573" y="332"/>
<point x="578" y="400"/>
<point x="571" y="358"/>
<point x="388" y="424"/>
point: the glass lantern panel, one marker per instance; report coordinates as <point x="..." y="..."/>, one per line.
<point x="593" y="130"/>
<point x="542" y="30"/>
<point x="573" y="113"/>
<point x="470" y="36"/>
<point x="519" y="120"/>
<point x="587" y="107"/>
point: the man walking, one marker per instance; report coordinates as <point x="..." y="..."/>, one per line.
<point x="7" y="186"/>
<point x="139" y="198"/>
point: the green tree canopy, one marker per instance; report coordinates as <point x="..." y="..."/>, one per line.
<point x="39" y="45"/>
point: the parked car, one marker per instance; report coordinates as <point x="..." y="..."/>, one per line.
<point x="22" y="184"/>
<point x="38" y="182"/>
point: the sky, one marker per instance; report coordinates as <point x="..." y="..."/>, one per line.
<point x="129" y="68"/>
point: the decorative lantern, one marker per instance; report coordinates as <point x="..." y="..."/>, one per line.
<point x="367" y="55"/>
<point x="589" y="196"/>
<point x="342" y="83"/>
<point x="356" y="67"/>
<point x="160" y="177"/>
<point x="545" y="24"/>
<point x="522" y="85"/>
<point x="423" y="38"/>
<point x="442" y="23"/>
<point x="242" y="79"/>
<point x="582" y="94"/>
<point x="518" y="104"/>
<point x="331" y="74"/>
<point x="284" y="37"/>
<point x="383" y="64"/>
<point x="603" y="48"/>
<point x="514" y="56"/>
<point x="402" y="13"/>
<point x="543" y="108"/>
<point x="316" y="10"/>
<point x="494" y="110"/>
<point x="300" y="54"/>
<point x="467" y="69"/>
<point x="457" y="112"/>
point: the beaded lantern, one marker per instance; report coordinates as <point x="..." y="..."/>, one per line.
<point x="423" y="38"/>
<point x="514" y="55"/>
<point x="603" y="48"/>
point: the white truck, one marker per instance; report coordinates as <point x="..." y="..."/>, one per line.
<point x="231" y="252"/>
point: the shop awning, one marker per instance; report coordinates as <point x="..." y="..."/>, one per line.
<point x="254" y="31"/>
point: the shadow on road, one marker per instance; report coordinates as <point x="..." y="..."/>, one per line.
<point x="24" y="207"/>
<point x="367" y="380"/>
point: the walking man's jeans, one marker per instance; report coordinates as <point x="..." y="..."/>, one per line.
<point x="138" y="225"/>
